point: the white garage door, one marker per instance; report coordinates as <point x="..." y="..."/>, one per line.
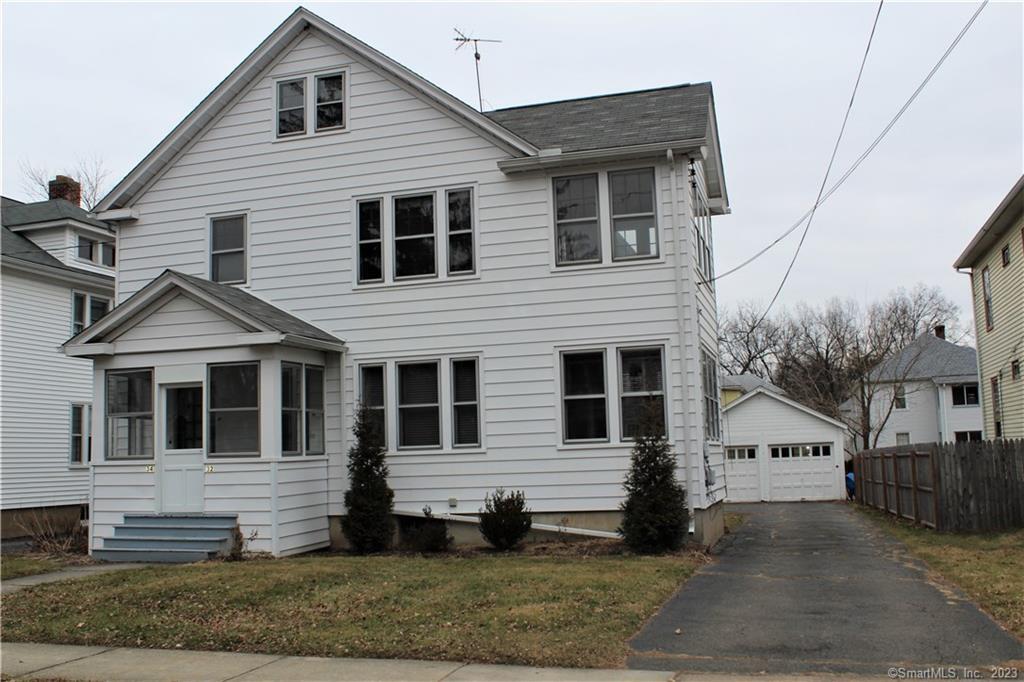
<point x="802" y="472"/>
<point x="743" y="484"/>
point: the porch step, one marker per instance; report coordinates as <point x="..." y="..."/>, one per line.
<point x="156" y="532"/>
<point x="158" y="543"/>
<point x="190" y="520"/>
<point x="162" y="556"/>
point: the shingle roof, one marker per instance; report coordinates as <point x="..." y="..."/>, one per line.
<point x="14" y="245"/>
<point x="258" y="309"/>
<point x="16" y="214"/>
<point x="679" y="112"/>
<point x="928" y="357"/>
<point x="748" y="382"/>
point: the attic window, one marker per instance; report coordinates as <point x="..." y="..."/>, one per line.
<point x="330" y="102"/>
<point x="291" y="107"/>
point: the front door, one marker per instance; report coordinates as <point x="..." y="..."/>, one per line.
<point x="181" y="448"/>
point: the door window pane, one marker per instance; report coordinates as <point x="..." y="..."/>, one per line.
<point x="184" y="418"/>
<point x="585" y="408"/>
<point x="419" y="419"/>
<point x="577" y="234"/>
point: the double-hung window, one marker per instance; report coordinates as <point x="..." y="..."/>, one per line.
<point x="372" y="397"/>
<point x="130" y="414"/>
<point x="584" y="396"/>
<point x="302" y="409"/>
<point x="330" y="102"/>
<point x="965" y="394"/>
<point x="291" y="408"/>
<point x="641" y="390"/>
<point x="986" y="293"/>
<point x="634" y="225"/>
<point x="899" y="398"/>
<point x="465" y="403"/>
<point x="87" y="309"/>
<point x="460" y="231"/>
<point x="415" y="252"/>
<point x="577" y="224"/>
<point x="371" y="267"/>
<point x="709" y="379"/>
<point x="94" y="251"/>
<point x="234" y="409"/>
<point x="997" y="406"/>
<point x="81" y="434"/>
<point x="702" y="233"/>
<point x="227" y="249"/>
<point x="291" y="107"/>
<point x="419" y="405"/>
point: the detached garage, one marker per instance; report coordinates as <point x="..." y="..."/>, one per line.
<point x="778" y="450"/>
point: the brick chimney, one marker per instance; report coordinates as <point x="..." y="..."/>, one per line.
<point x="63" y="187"/>
<point x="940" y="331"/>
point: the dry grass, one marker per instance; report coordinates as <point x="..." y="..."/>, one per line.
<point x="988" y="567"/>
<point x="21" y="565"/>
<point x="540" y="610"/>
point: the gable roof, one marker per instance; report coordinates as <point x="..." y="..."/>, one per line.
<point x="21" y="252"/>
<point x="927" y="357"/>
<point x="761" y="390"/>
<point x="259" y="59"/>
<point x="1001" y="220"/>
<point x="242" y="305"/>
<point x="16" y="214"/>
<point x="748" y="382"/>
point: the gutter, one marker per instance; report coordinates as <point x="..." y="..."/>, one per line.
<point x="64" y="273"/>
<point x="556" y="159"/>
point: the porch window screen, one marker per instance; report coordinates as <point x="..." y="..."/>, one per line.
<point x="371" y="382"/>
<point x="634" y="226"/>
<point x="577" y="235"/>
<point x="585" y="409"/>
<point x="465" y="402"/>
<point x="130" y="414"/>
<point x="414" y="237"/>
<point x="419" y="405"/>
<point x="234" y="409"/>
<point x="642" y="387"/>
<point x="314" y="403"/>
<point x="291" y="407"/>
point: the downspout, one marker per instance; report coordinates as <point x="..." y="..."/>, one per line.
<point x="677" y="258"/>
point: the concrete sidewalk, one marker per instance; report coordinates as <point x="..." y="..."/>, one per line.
<point x="69" y="573"/>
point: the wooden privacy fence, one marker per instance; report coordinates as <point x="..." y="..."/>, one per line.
<point x="946" y="486"/>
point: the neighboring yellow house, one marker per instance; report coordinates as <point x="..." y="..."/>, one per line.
<point x="995" y="258"/>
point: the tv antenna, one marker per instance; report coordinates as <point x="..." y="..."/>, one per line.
<point x="462" y="39"/>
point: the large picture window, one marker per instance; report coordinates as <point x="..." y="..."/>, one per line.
<point x="584" y="397"/>
<point x="227" y="249"/>
<point x="130" y="414"/>
<point x="371" y="267"/>
<point x="465" y="403"/>
<point x="634" y="225"/>
<point x="641" y="388"/>
<point x="234" y="409"/>
<point x="460" y="231"/>
<point x="415" y="236"/>
<point x="577" y="225"/>
<point x="419" y="405"/>
<point x="371" y="395"/>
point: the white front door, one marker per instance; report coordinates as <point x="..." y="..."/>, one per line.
<point x="180" y="448"/>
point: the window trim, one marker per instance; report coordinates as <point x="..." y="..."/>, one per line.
<point x="623" y="394"/>
<point x="791" y="447"/>
<point x="306" y="410"/>
<point x="604" y="396"/>
<point x="84" y="435"/>
<point x="904" y="433"/>
<point x="210" y="218"/>
<point x="1004" y="255"/>
<point x="208" y="403"/>
<point x="300" y="433"/>
<point x="107" y="455"/>
<point x="472" y="231"/>
<point x="475" y="403"/>
<point x="899" y="394"/>
<point x="986" y="297"/>
<point x="708" y="359"/>
<point x="553" y="180"/>
<point x="384" y="394"/>
<point x="87" y="298"/>
<point x="732" y="449"/>
<point x="968" y="439"/>
<point x="278" y="82"/>
<point x="359" y="241"/>
<point x="963" y="388"/>
<point x="398" y="405"/>
<point x="309" y="103"/>
<point x="344" y="100"/>
<point x="395" y="238"/>
<point x="653" y="214"/>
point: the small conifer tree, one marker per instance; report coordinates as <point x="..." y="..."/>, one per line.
<point x="368" y="523"/>
<point x="654" y="514"/>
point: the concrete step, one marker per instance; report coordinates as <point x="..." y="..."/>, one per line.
<point x="176" y="542"/>
<point x="171" y="531"/>
<point x="164" y="556"/>
<point x="182" y="520"/>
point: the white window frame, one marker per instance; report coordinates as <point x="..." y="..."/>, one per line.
<point x="383" y="407"/>
<point x="711" y="395"/>
<point x="246" y="256"/>
<point x="733" y="452"/>
<point x="653" y="214"/>
<point x="604" y="218"/>
<point x="297" y="410"/>
<point x="87" y="310"/>
<point x="387" y="231"/>
<point x="475" y="403"/>
<point x="309" y="103"/>
<point x="438" y="404"/>
<point x="963" y="388"/>
<point x="601" y="248"/>
<point x="278" y="82"/>
<point x="799" y="451"/>
<point x="589" y="396"/>
<point x="84" y="435"/>
<point x="906" y="434"/>
<point x="306" y="410"/>
<point x="622" y="393"/>
<point x="446" y="395"/>
<point x="359" y="241"/>
<point x="151" y="413"/>
<point x="344" y="101"/>
<point x="899" y="394"/>
<point x="210" y="410"/>
<point x="395" y="239"/>
<point x="449" y="232"/>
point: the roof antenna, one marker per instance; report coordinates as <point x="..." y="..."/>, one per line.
<point x="462" y="39"/>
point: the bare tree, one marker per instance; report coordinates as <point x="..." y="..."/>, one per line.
<point x="746" y="346"/>
<point x="90" y="173"/>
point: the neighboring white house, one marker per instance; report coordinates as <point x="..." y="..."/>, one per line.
<point x="926" y="393"/>
<point x="509" y="287"/>
<point x="776" y="449"/>
<point x="57" y="278"/>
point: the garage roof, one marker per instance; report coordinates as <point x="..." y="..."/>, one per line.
<point x="782" y="399"/>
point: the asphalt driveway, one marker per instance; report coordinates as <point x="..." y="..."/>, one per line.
<point x="813" y="587"/>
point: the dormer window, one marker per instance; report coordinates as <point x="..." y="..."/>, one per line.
<point x="94" y="251"/>
<point x="291" y="107"/>
<point x="310" y="104"/>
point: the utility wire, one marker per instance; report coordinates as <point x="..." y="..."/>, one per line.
<point x="59" y="248"/>
<point x="853" y="167"/>
<point x="831" y="161"/>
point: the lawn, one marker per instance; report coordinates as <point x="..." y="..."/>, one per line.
<point x="541" y="610"/>
<point x="21" y="565"/>
<point x="988" y="567"/>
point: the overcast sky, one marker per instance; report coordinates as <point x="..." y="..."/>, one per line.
<point x="110" y="80"/>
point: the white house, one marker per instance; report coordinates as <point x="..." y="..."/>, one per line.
<point x="503" y="289"/>
<point x="926" y="393"/>
<point x="57" y="278"/>
<point x="778" y="450"/>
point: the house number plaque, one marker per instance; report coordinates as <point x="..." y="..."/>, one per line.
<point x="209" y="468"/>
<point x="149" y="468"/>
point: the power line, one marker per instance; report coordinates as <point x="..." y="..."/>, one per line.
<point x="853" y="167"/>
<point x="59" y="248"/>
<point x="831" y="161"/>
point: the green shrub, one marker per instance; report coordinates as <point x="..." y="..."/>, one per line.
<point x="654" y="514"/>
<point x="368" y="523"/>
<point x="505" y="520"/>
<point x="427" y="535"/>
